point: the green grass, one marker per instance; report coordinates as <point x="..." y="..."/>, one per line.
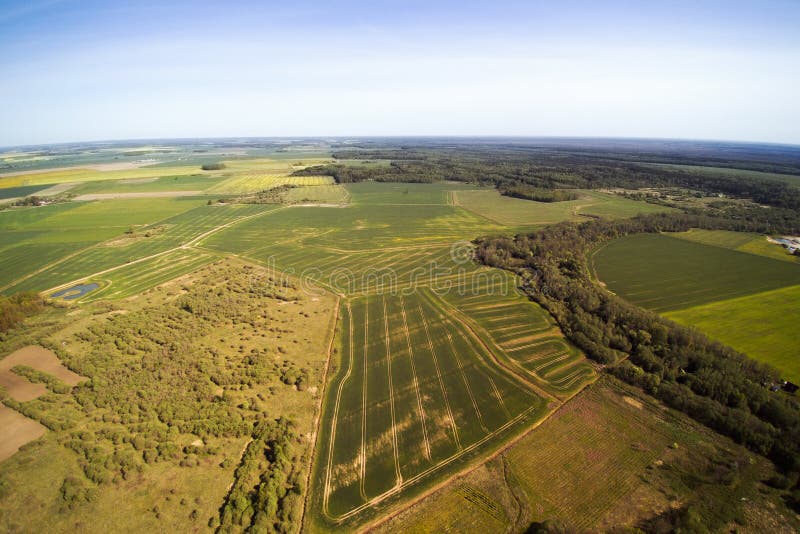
<point x="664" y="274"/>
<point x="763" y="326"/>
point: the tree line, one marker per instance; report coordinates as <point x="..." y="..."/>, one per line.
<point x="507" y="167"/>
<point x="705" y="379"/>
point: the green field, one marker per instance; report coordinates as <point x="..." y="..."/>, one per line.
<point x="414" y="395"/>
<point x="709" y="280"/>
<point x="741" y="241"/>
<point x="510" y="211"/>
<point x="664" y="274"/>
<point x="763" y="326"/>
<point x="191" y="182"/>
<point x="440" y="362"/>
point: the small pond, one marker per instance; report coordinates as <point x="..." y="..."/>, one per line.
<point x="75" y="292"/>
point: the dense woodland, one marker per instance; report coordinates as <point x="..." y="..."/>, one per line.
<point x="709" y="381"/>
<point x="15" y="308"/>
<point x="508" y="168"/>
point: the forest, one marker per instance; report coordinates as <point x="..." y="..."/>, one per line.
<point x="709" y="381"/>
<point x="509" y="167"/>
<point x="15" y="308"/>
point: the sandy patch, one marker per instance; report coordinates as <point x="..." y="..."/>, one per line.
<point x="15" y="431"/>
<point x="151" y="194"/>
<point x="633" y="402"/>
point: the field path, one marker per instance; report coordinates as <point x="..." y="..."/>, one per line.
<point x="332" y="439"/>
<point x="416" y="381"/>
<point x="441" y="380"/>
<point x="189" y="244"/>
<point x="398" y="475"/>
<point x="363" y="451"/>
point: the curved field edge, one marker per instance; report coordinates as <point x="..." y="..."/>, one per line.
<point x="440" y="475"/>
<point x="316" y="519"/>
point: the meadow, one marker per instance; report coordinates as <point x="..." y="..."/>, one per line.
<point x="664" y="274"/>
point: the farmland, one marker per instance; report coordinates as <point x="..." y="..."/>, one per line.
<point x="347" y="324"/>
<point x="609" y="458"/>
<point x="762" y="325"/>
<point x="432" y="373"/>
<point x="664" y="274"/>
<point x="741" y="241"/>
<point x="727" y="284"/>
<point x="510" y="211"/>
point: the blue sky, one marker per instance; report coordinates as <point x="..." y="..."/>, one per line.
<point x="91" y="70"/>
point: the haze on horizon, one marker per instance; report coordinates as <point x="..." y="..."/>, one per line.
<point x="92" y="70"/>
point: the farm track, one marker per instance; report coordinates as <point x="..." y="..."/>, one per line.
<point x="398" y="475"/>
<point x="363" y="451"/>
<point x="344" y="380"/>
<point x="192" y="243"/>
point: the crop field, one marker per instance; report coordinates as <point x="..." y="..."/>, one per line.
<point x="521" y="331"/>
<point x="372" y="193"/>
<point x="324" y="194"/>
<point x="515" y="212"/>
<point x="741" y="241"/>
<point x="664" y="274"/>
<point x="438" y="361"/>
<point x="762" y="325"/>
<point x="40" y="266"/>
<point x="710" y="280"/>
<point x="255" y="181"/>
<point x="192" y="182"/>
<point x="605" y="460"/>
<point x="423" y="392"/>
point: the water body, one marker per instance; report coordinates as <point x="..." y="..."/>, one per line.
<point x="75" y="292"/>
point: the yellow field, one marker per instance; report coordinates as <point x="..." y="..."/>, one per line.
<point x="257" y="181"/>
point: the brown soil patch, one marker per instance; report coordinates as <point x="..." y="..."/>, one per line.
<point x="42" y="359"/>
<point x="15" y="431"/>
<point x="20" y="389"/>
